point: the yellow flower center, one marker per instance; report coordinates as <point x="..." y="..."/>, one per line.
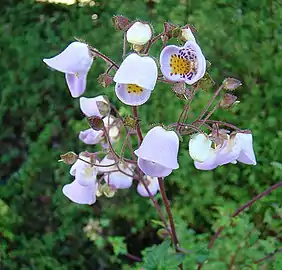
<point x="134" y="89"/>
<point x="180" y="65"/>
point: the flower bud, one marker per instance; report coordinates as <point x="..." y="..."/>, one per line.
<point x="109" y="191"/>
<point x="163" y="233"/>
<point x="186" y="34"/>
<point x="130" y="121"/>
<point x="105" y="80"/>
<point x="227" y="101"/>
<point x="69" y="158"/>
<point x="179" y="88"/>
<point x="95" y="122"/>
<point x="231" y="84"/>
<point x="120" y="22"/>
<point x="139" y="33"/>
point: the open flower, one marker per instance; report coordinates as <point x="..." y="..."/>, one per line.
<point x="97" y="106"/>
<point x="114" y="175"/>
<point x="135" y="79"/>
<point x="139" y="33"/>
<point x="235" y="148"/>
<point x="152" y="185"/>
<point x="185" y="63"/>
<point x="157" y="155"/>
<point x="83" y="189"/>
<point x="200" y="147"/>
<point x="75" y="61"/>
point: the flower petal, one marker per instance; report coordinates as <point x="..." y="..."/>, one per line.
<point x="153" y="169"/>
<point x="90" y="136"/>
<point x="89" y="105"/>
<point x="139" y="70"/>
<point x="153" y="187"/>
<point x="76" y="84"/>
<point x="247" y="154"/>
<point x="131" y="98"/>
<point x="74" y="59"/>
<point x="105" y="162"/>
<point x="200" y="147"/>
<point x="80" y="194"/>
<point x="187" y="34"/>
<point x="160" y="146"/>
<point x="119" y="180"/>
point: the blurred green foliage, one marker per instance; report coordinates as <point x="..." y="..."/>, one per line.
<point x="41" y="229"/>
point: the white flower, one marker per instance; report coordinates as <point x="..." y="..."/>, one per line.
<point x="83" y="189"/>
<point x="75" y="61"/>
<point x="157" y="155"/>
<point x="139" y="33"/>
<point x="135" y="79"/>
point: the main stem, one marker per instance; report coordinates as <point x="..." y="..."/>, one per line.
<point x="168" y="210"/>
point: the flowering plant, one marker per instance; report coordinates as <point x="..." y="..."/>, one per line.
<point x="137" y="78"/>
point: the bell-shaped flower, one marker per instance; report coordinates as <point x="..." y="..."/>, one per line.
<point x="235" y="148"/>
<point x="83" y="189"/>
<point x="157" y="155"/>
<point x="91" y="136"/>
<point x="75" y="61"/>
<point x="97" y="106"/>
<point x="135" y="79"/>
<point x="119" y="175"/>
<point x="139" y="33"/>
<point x="185" y="63"/>
<point x="200" y="147"/>
<point x="187" y="34"/>
<point x="152" y="185"/>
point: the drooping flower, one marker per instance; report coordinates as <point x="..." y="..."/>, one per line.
<point x="235" y="148"/>
<point x="185" y="63"/>
<point x="135" y="79"/>
<point x="157" y="155"/>
<point x="83" y="189"/>
<point x="97" y="106"/>
<point x="139" y="33"/>
<point x="114" y="175"/>
<point x="91" y="136"/>
<point x="187" y="34"/>
<point x="151" y="183"/>
<point x="75" y="61"/>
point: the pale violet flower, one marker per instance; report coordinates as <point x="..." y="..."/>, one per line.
<point x="187" y="34"/>
<point x="91" y="136"/>
<point x="235" y="148"/>
<point x="116" y="178"/>
<point x="139" y="33"/>
<point x="157" y="155"/>
<point x="135" y="79"/>
<point x="97" y="106"/>
<point x="84" y="187"/>
<point x="75" y="61"/>
<point x="152" y="185"/>
<point x="183" y="64"/>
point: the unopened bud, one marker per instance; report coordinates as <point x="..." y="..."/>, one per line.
<point x="227" y="101"/>
<point x="109" y="191"/>
<point x="95" y="122"/>
<point x="105" y="79"/>
<point x="130" y="121"/>
<point x="139" y="34"/>
<point x="163" y="233"/>
<point x="179" y="88"/>
<point x="137" y="48"/>
<point x="231" y="84"/>
<point x="103" y="107"/>
<point x="121" y="22"/>
<point x="69" y="158"/>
